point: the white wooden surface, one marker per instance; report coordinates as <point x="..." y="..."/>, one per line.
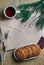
<point x="20" y="35"/>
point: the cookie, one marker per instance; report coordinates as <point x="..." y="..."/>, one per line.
<point x="29" y="51"/>
<point x="38" y="49"/>
<point x="33" y="50"/>
<point x="20" y="54"/>
<point x="26" y="52"/>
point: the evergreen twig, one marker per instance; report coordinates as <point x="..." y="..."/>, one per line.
<point x="28" y="9"/>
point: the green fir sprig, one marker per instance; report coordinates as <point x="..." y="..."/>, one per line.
<point x="26" y="10"/>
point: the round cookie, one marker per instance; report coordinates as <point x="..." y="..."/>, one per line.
<point x="26" y="52"/>
<point x="20" y="54"/>
<point x="29" y="51"/>
<point x="38" y="49"/>
<point x="33" y="50"/>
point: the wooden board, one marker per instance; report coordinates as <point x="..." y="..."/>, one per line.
<point x="20" y="35"/>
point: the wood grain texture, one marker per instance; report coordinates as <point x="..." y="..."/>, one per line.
<point x="10" y="61"/>
<point x="4" y="3"/>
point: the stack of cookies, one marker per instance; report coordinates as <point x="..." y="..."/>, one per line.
<point x="27" y="51"/>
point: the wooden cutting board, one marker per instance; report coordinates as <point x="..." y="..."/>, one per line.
<point x="18" y="34"/>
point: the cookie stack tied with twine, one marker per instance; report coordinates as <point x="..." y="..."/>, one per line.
<point x="29" y="51"/>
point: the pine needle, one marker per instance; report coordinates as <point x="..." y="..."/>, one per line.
<point x="25" y="6"/>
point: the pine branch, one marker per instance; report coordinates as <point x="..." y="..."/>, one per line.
<point x="40" y="22"/>
<point x="38" y="7"/>
<point x="25" y="12"/>
<point x="24" y="15"/>
<point x="25" y="6"/>
<point x="27" y="16"/>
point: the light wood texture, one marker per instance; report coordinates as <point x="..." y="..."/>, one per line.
<point x="4" y="3"/>
<point x="10" y="61"/>
<point x="17" y="24"/>
<point x="20" y="35"/>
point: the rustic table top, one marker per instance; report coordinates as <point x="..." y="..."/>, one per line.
<point x="10" y="61"/>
